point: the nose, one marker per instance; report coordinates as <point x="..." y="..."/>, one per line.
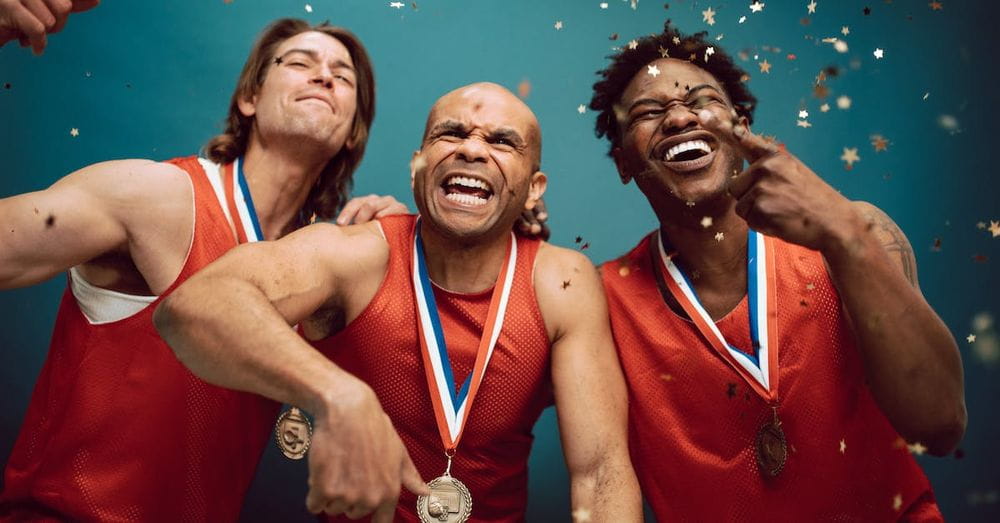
<point x="323" y="77"/>
<point x="678" y="118"/>
<point x="472" y="149"/>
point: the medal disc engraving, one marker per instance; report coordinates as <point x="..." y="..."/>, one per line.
<point x="448" y="502"/>
<point x="293" y="433"/>
<point x="771" y="449"/>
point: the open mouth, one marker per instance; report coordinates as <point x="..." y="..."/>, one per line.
<point x="467" y="190"/>
<point x="688" y="155"/>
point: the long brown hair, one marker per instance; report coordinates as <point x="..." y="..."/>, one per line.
<point x="334" y="184"/>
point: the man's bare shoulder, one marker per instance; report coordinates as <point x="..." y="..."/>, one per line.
<point x="352" y="246"/>
<point x="564" y="276"/>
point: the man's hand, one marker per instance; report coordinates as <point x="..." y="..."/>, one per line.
<point x="364" y="209"/>
<point x="532" y="223"/>
<point x="30" y="21"/>
<point x="357" y="461"/>
<point x="780" y="196"/>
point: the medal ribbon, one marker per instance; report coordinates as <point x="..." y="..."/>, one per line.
<point x="759" y="370"/>
<point x="451" y="407"/>
<point x="240" y="203"/>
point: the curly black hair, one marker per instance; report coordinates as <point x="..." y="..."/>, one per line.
<point x="627" y="62"/>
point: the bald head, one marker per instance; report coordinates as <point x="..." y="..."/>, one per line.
<point x="493" y="106"/>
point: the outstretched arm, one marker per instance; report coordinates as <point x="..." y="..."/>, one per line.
<point x="230" y="325"/>
<point x="591" y="398"/>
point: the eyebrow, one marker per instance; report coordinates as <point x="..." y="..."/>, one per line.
<point x="447" y="125"/>
<point x="502" y="133"/>
<point x="508" y="134"/>
<point x="337" y="64"/>
<point x="644" y="101"/>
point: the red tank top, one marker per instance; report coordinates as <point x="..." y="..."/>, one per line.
<point x="381" y="347"/>
<point x="118" y="429"/>
<point x="693" y="420"/>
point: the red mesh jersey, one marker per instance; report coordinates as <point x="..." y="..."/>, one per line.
<point x="381" y="347"/>
<point x="693" y="420"/>
<point x="118" y="429"/>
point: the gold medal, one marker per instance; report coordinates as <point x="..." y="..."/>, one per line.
<point x="771" y="449"/>
<point x="293" y="433"/>
<point x="449" y="501"/>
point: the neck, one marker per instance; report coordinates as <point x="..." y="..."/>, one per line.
<point x="280" y="180"/>
<point x="465" y="268"/>
<point x="713" y="265"/>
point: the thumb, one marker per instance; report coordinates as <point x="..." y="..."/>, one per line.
<point x="411" y="477"/>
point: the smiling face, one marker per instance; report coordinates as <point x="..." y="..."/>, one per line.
<point x="308" y="95"/>
<point x="477" y="168"/>
<point x="674" y="161"/>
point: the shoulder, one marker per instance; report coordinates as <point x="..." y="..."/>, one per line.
<point x="564" y="278"/>
<point x="132" y="181"/>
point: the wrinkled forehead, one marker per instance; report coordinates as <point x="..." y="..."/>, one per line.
<point x="487" y="108"/>
<point x="668" y="78"/>
<point x="320" y="45"/>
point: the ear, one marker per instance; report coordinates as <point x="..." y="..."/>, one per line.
<point x="248" y="106"/>
<point x="616" y="153"/>
<point x="539" y="182"/>
<point x="741" y="121"/>
<point x="417" y="163"/>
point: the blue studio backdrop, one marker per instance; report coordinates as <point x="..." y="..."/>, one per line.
<point x="152" y="79"/>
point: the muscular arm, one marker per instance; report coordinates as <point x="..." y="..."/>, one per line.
<point x="911" y="360"/>
<point x="591" y="399"/>
<point x="98" y="209"/>
<point x="230" y="325"/>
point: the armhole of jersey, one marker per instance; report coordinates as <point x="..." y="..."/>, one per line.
<point x="214" y="174"/>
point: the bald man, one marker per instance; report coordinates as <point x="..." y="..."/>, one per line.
<point x="452" y="329"/>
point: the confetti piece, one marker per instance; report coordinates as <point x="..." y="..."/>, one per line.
<point x="879" y="143"/>
<point x="524" y="89"/>
<point x="581" y="515"/>
<point x="6" y="85"/>
<point x="803" y="114"/>
<point x="844" y="102"/>
<point x="926" y="95"/>
<point x="558" y="25"/>
<point x="824" y="108"/>
<point x="879" y="53"/>
<point x="743" y="19"/>
<point x="708" y="16"/>
<point x="719" y="236"/>
<point x="604" y="5"/>
<point x="803" y="123"/>
<point x="994" y="228"/>
<point x="633" y="44"/>
<point x="849" y="157"/>
<point x="663" y="52"/>
<point x="667" y="377"/>
<point x="765" y="67"/>
<point x="845" y="30"/>
<point x="565" y="284"/>
<point x="74" y="132"/>
<point x="935" y="6"/>
<point x="396" y="5"/>
<point x="917" y="448"/>
<point x="948" y="123"/>
<point x="581" y="109"/>
<point x="971" y="338"/>
<point x="652" y="70"/>
<point x="709" y="52"/>
<point x="309" y="8"/>
<point x="756" y="7"/>
<point x="731" y="390"/>
<point x="811" y="6"/>
<point x="897" y="500"/>
<point x="843" y="446"/>
<point x="706" y="222"/>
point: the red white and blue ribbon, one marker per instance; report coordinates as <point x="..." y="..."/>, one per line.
<point x="451" y="407"/>
<point x="240" y="203"/>
<point x="760" y="367"/>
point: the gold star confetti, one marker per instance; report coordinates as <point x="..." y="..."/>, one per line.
<point x="652" y="70"/>
<point x="581" y="109"/>
<point x="810" y="286"/>
<point x="667" y="377"/>
<point x="558" y="25"/>
<point x="397" y="5"/>
<point x="719" y="236"/>
<point x="803" y="114"/>
<point x="765" y="67"/>
<point x="524" y="89"/>
<point x="845" y="30"/>
<point x="604" y="5"/>
<point x="633" y="44"/>
<point x="897" y="502"/>
<point x="981" y="225"/>
<point x="803" y="123"/>
<point x="971" y="338"/>
<point x="843" y="102"/>
<point x="849" y="157"/>
<point x="309" y="8"/>
<point x="663" y="52"/>
<point x="879" y="143"/>
<point x="811" y="6"/>
<point x="917" y="448"/>
<point x="743" y="19"/>
<point x="676" y="40"/>
<point x="935" y="6"/>
<point x="879" y="53"/>
<point x="709" y="52"/>
<point x="994" y="228"/>
<point x="581" y="515"/>
<point x="843" y="446"/>
<point x="756" y="7"/>
<point x="74" y="132"/>
<point x="708" y="16"/>
<point x="824" y="108"/>
<point x="706" y="222"/>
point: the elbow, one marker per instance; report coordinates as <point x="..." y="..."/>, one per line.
<point x="949" y="432"/>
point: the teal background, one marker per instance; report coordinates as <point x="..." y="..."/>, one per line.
<point x="152" y="79"/>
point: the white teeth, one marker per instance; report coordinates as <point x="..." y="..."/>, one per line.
<point x="468" y="182"/>
<point x="466" y="199"/>
<point x="700" y="145"/>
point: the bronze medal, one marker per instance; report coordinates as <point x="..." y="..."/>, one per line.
<point x="449" y="501"/>
<point x="293" y="433"/>
<point x="771" y="449"/>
